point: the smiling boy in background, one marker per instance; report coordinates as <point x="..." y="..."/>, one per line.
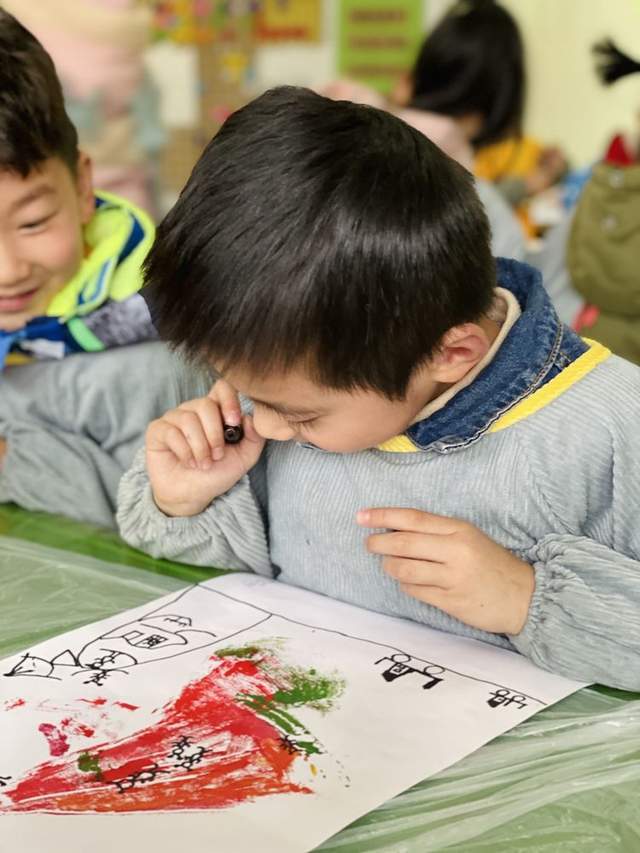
<point x="70" y="261"/>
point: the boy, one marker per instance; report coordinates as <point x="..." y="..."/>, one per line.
<point x="333" y="266"/>
<point x="69" y="279"/>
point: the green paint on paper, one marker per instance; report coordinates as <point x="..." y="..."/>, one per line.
<point x="89" y="764"/>
<point x="294" y="687"/>
<point x="240" y="652"/>
<point x="316" y="691"/>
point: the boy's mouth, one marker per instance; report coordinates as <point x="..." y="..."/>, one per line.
<point x="18" y="302"/>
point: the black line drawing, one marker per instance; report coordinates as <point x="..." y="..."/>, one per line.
<point x="4" y="781"/>
<point x="400" y="666"/>
<point x="35" y="667"/>
<point x="146" y="639"/>
<point x="129" y="645"/>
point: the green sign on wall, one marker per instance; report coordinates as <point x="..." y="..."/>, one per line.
<point x="378" y="39"/>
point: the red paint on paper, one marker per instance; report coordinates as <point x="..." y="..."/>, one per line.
<point x="208" y="751"/>
<point x="58" y="743"/>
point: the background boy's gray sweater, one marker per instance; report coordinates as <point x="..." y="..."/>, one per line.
<point x="560" y="488"/>
<point x="72" y="426"/>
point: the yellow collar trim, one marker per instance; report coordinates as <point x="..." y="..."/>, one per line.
<point x="398" y="444"/>
<point x="579" y="368"/>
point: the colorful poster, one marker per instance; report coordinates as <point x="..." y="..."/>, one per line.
<point x="272" y="716"/>
<point x="288" y="20"/>
<point x="203" y="63"/>
<point x="378" y="40"/>
<point x="201" y="22"/>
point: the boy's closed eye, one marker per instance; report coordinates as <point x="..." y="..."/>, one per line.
<point x="291" y="419"/>
<point x="37" y="223"/>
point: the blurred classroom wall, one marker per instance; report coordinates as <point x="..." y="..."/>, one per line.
<point x="567" y="104"/>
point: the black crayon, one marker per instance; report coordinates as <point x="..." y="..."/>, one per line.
<point x="233" y="434"/>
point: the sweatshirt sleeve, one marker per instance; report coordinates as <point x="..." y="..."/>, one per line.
<point x="584" y="618"/>
<point x="72" y="427"/>
<point x="229" y="534"/>
<point x="50" y="470"/>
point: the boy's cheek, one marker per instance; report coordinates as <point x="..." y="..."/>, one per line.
<point x="64" y="252"/>
<point x="58" y="256"/>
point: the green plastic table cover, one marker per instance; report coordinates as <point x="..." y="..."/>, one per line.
<point x="567" y="779"/>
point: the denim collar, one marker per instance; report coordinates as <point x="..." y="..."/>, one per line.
<point x="536" y="349"/>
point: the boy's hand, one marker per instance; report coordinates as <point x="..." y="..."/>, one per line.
<point x="188" y="462"/>
<point x="454" y="566"/>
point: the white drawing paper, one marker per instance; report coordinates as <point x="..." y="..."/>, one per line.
<point x="243" y="714"/>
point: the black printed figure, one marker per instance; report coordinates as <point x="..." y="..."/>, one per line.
<point x="186" y="754"/>
<point x="503" y="697"/>
<point x="288" y="745"/>
<point x="148" y="774"/>
<point x="98" y="678"/>
<point x="4" y="781"/>
<point x="400" y="666"/>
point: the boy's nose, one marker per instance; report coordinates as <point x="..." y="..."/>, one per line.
<point x="13" y="269"/>
<point x="271" y="427"/>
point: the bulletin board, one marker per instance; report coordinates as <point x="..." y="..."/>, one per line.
<point x="288" y="20"/>
<point x="224" y="69"/>
<point x="378" y="40"/>
<point x="221" y="35"/>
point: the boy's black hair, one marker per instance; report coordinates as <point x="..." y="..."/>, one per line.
<point x="325" y="234"/>
<point x="33" y="122"/>
<point x="473" y="62"/>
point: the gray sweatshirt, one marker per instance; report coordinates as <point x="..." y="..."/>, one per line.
<point x="72" y="426"/>
<point x="545" y="460"/>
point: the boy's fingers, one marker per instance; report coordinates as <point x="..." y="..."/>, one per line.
<point x="226" y="397"/>
<point x="156" y="435"/>
<point x="190" y="425"/>
<point x="433" y="595"/>
<point x="175" y="441"/>
<point x="410" y="520"/>
<point x="211" y="422"/>
<point x="418" y="572"/>
<point x="413" y="546"/>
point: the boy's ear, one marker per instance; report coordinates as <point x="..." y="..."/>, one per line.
<point x="84" y="184"/>
<point x="461" y="348"/>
